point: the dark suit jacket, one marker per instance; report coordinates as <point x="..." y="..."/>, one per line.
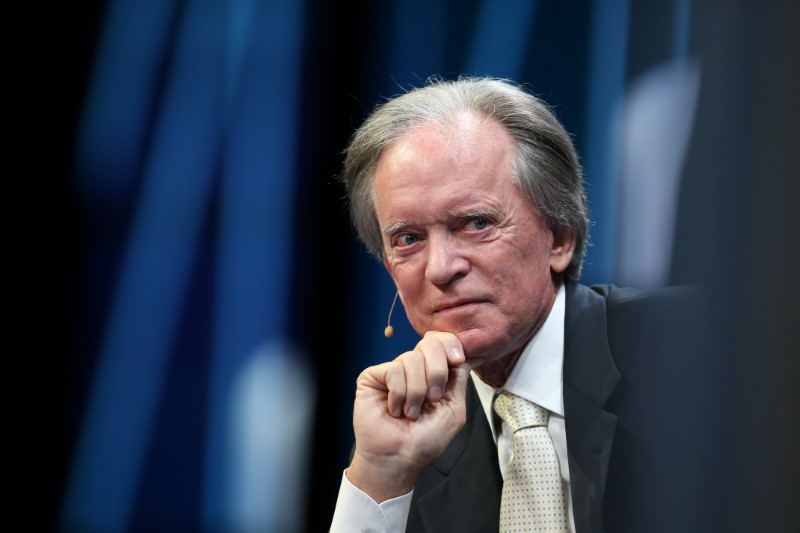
<point x="616" y="377"/>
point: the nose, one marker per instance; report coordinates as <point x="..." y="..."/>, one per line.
<point x="446" y="260"/>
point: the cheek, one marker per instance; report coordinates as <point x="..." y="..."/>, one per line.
<point x="411" y="290"/>
<point x="521" y="284"/>
<point x="420" y="321"/>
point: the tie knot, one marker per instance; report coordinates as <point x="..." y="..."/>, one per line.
<point x="518" y="412"/>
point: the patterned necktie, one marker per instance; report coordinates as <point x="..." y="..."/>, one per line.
<point x="533" y="494"/>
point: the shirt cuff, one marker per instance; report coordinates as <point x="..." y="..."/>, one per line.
<point x="357" y="512"/>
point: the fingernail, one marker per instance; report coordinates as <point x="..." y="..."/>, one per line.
<point x="456" y="355"/>
<point x="435" y="393"/>
<point x="397" y="411"/>
<point x="413" y="411"/>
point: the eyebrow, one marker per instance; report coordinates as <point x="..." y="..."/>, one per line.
<point x="472" y="213"/>
<point x="399" y="226"/>
<point x="395" y="227"/>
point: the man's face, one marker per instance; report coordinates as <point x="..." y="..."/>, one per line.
<point x="467" y="251"/>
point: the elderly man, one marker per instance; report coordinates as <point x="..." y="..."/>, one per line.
<point x="519" y="407"/>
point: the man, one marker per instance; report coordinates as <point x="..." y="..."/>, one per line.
<point x="471" y="194"/>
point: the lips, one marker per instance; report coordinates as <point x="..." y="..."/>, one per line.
<point x="452" y="305"/>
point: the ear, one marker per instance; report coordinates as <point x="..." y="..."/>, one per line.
<point x="562" y="250"/>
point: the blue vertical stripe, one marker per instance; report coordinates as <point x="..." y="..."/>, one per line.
<point x="120" y="98"/>
<point x="417" y="45"/>
<point x="498" y="47"/>
<point x="256" y="234"/>
<point x="608" y="55"/>
<point x="136" y="351"/>
<point x="681" y="27"/>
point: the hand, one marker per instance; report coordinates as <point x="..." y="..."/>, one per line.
<point x="406" y="413"/>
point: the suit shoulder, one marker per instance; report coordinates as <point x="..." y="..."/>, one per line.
<point x="633" y="300"/>
<point x="652" y="321"/>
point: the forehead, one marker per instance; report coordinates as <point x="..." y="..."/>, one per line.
<point x="471" y="155"/>
<point x="468" y="138"/>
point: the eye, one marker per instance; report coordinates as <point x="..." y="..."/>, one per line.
<point x="406" y="239"/>
<point x="479" y="223"/>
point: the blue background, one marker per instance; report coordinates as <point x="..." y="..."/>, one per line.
<point x="212" y="274"/>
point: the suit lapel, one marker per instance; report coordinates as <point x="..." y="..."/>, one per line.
<point x="590" y="378"/>
<point x="461" y="492"/>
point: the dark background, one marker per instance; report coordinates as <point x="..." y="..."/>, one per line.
<point x="309" y="74"/>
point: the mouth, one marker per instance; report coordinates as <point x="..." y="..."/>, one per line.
<point x="453" y="305"/>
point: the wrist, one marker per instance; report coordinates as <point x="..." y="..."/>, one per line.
<point x="381" y="479"/>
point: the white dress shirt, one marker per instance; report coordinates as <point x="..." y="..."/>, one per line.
<point x="537" y="376"/>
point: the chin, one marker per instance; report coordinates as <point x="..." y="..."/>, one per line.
<point x="478" y="343"/>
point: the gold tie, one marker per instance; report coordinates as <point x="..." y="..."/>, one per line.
<point x="533" y="494"/>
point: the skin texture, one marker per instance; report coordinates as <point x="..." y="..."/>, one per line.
<point x="478" y="270"/>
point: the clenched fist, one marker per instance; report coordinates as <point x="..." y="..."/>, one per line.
<point x="406" y="412"/>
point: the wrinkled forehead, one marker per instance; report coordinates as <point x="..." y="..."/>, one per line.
<point x="463" y="124"/>
<point x="434" y="162"/>
<point x="466" y="138"/>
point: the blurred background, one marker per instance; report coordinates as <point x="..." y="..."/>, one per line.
<point x="219" y="308"/>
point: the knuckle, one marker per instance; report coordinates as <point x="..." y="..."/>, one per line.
<point x="394" y="368"/>
<point x="432" y="345"/>
<point x="417" y="391"/>
<point x="426" y="345"/>
<point x="410" y="357"/>
<point x="367" y="374"/>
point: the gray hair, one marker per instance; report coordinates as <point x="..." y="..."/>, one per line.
<point x="546" y="166"/>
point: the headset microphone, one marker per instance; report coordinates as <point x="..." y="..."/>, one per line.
<point x="389" y="331"/>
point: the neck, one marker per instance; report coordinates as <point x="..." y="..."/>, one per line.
<point x="495" y="373"/>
